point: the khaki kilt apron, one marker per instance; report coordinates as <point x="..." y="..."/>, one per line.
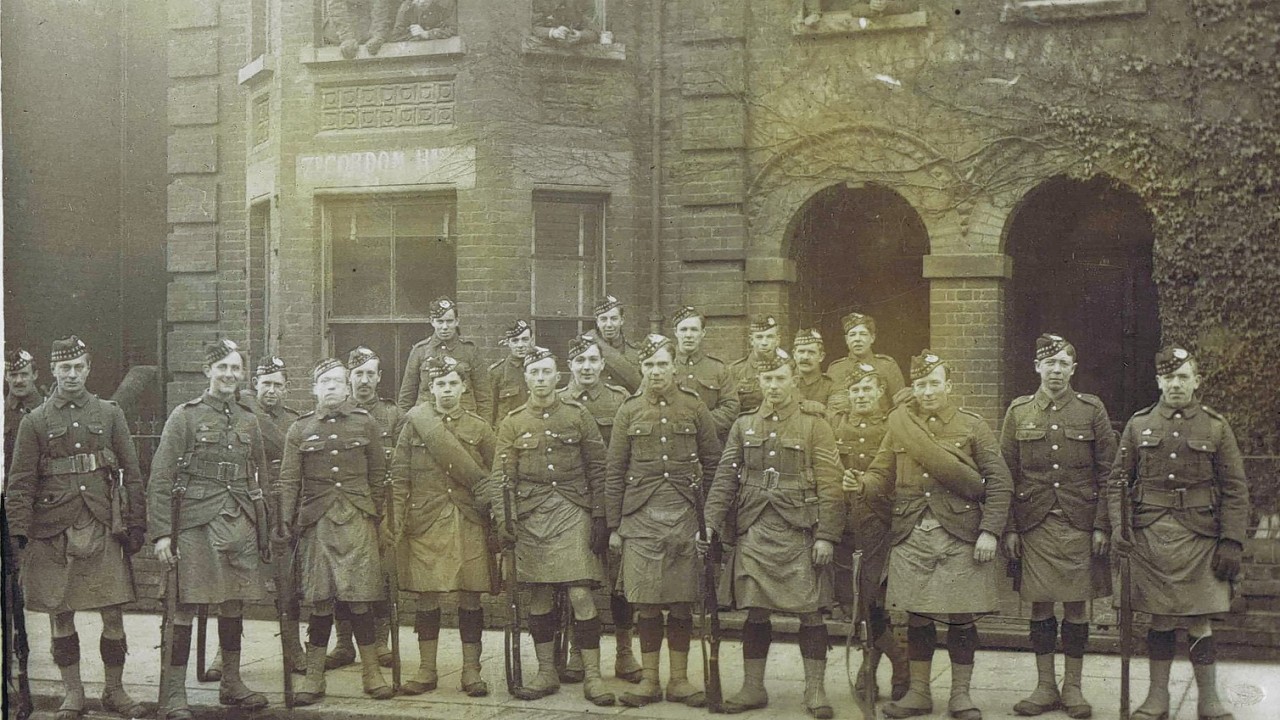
<point x="772" y="568"/>
<point x="659" y="561"/>
<point x="553" y="545"/>
<point x="1172" y="571"/>
<point x="80" y="568"/>
<point x="449" y="554"/>
<point x="1058" y="564"/>
<point x="338" y="557"/>
<point x="932" y="572"/>
<point x="219" y="561"/>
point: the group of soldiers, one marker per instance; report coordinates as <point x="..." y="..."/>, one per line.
<point x="818" y="488"/>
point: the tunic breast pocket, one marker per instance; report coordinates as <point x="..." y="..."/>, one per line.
<point x="314" y="459"/>
<point x="1077" y="446"/>
<point x="1031" y="446"/>
<point x="1201" y="457"/>
<point x="57" y="439"/>
<point x="644" y="446"/>
<point x="685" y="437"/>
<point x="708" y="392"/>
<point x="567" y="450"/>
<point x="753" y="452"/>
<point x="792" y="455"/>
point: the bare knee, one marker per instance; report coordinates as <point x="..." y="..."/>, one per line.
<point x="540" y="598"/>
<point x="914" y="620"/>
<point x="584" y="605"/>
<point x="231" y="608"/>
<point x="112" y="622"/>
<point x="468" y="600"/>
<point x="810" y="619"/>
<point x="62" y="624"/>
<point x="322" y="608"/>
<point x="1073" y="612"/>
<point x="683" y="610"/>
<point x="358" y="608"/>
<point x="1164" y="623"/>
<point x="649" y="611"/>
<point x="1199" y="626"/>
<point x="758" y="615"/>
<point x="1041" y="610"/>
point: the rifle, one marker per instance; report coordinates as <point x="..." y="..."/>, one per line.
<point x="393" y="581"/>
<point x="15" y="635"/>
<point x="284" y="600"/>
<point x="1126" y="599"/>
<point x="710" y="612"/>
<point x="858" y="629"/>
<point x="171" y="586"/>
<point x="562" y="611"/>
<point x="119" y="508"/>
<point x="202" y="640"/>
<point x="511" y="636"/>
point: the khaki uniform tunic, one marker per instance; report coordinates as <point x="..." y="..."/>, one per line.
<point x="601" y="400"/>
<point x="555" y="456"/>
<point x="415" y="388"/>
<point x="867" y="516"/>
<point x="931" y="565"/>
<point x="331" y="492"/>
<point x="885" y="366"/>
<point x="780" y="476"/>
<point x="621" y="364"/>
<point x="58" y="494"/>
<point x="1059" y="453"/>
<point x="507" y="387"/>
<point x="664" y="445"/>
<point x="441" y="516"/>
<point x="15" y="409"/>
<point x="715" y="385"/>
<point x="746" y="378"/>
<point x="1189" y="491"/>
<point x="817" y="388"/>
<point x="217" y="446"/>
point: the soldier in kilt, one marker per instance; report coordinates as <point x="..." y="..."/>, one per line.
<point x="551" y="449"/>
<point x="437" y="528"/>
<point x="602" y="400"/>
<point x="707" y="376"/>
<point x="763" y="338"/>
<point x="1190" y="512"/>
<point x="215" y="443"/>
<point x="60" y="488"/>
<point x="664" y="443"/>
<point x="364" y="369"/>
<point x="858" y="434"/>
<point x="445" y="339"/>
<point x="950" y="488"/>
<point x="779" y="476"/>
<point x="1059" y="445"/>
<point x="332" y="480"/>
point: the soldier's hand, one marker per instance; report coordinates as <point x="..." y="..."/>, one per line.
<point x="1120" y="545"/>
<point x="134" y="539"/>
<point x="559" y="33"/>
<point x="281" y="534"/>
<point x="1226" y="559"/>
<point x="1013" y="545"/>
<point x="822" y="552"/>
<point x="1101" y="545"/>
<point x="701" y="545"/>
<point x="506" y="538"/>
<point x="599" y="536"/>
<point x="851" y="481"/>
<point x="416" y="30"/>
<point x="164" y="551"/>
<point x="985" y="549"/>
<point x="615" y="542"/>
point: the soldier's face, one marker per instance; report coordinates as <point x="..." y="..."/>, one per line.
<point x="865" y="395"/>
<point x="270" y="389"/>
<point x="225" y="375"/>
<point x="587" y="366"/>
<point x="859" y="340"/>
<point x="765" y="341"/>
<point x="808" y="358"/>
<point x="71" y="374"/>
<point x="1179" y="387"/>
<point x="933" y="391"/>
<point x="1055" y="372"/>
<point x="689" y="334"/>
<point x="778" y="385"/>
<point x="658" y="369"/>
<point x="541" y="378"/>
<point x="22" y="383"/>
<point x="520" y="344"/>
<point x="447" y="390"/>
<point x="446" y="325"/>
<point x="331" y="388"/>
<point x="364" y="380"/>
<point x="610" y="324"/>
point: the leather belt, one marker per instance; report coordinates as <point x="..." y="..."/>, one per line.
<point x="771" y="479"/>
<point x="78" y="464"/>
<point x="1200" y="496"/>
<point x="216" y="470"/>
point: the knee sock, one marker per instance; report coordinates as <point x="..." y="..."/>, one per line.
<point x="962" y="641"/>
<point x="620" y="609"/>
<point x="470" y="625"/>
<point x="180" y="645"/>
<point x="1044" y="633"/>
<point x="112" y="650"/>
<point x="318" y="629"/>
<point x="679" y="633"/>
<point x="542" y="628"/>
<point x="1160" y="644"/>
<point x="1075" y="636"/>
<point x="813" y="642"/>
<point x="66" y="650"/>
<point x="756" y="637"/>
<point x="1201" y="650"/>
<point x="921" y="640"/>
<point x="426" y="623"/>
<point x="363" y="629"/>
<point x="229" y="631"/>
<point x="587" y="633"/>
<point x="650" y="630"/>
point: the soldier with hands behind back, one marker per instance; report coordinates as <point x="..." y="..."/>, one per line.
<point x="73" y="460"/>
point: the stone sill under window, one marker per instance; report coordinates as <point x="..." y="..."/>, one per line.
<point x="259" y="68"/>
<point x="1045" y="11"/>
<point x="408" y="49"/>
<point x="594" y="51"/>
<point x="843" y="23"/>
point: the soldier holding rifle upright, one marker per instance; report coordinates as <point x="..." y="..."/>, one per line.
<point x="211" y="445"/>
<point x="332" y="480"/>
<point x="76" y="513"/>
<point x="1059" y="445"/>
<point x="437" y="521"/>
<point x="1180" y="462"/>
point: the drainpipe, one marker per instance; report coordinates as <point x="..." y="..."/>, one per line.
<point x="655" y="177"/>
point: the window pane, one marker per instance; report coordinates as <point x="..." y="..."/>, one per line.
<point x="556" y="287"/>
<point x="556" y="228"/>
<point x="361" y="268"/>
<point x="556" y="334"/>
<point x="424" y="218"/>
<point x="426" y="269"/>
<point x="391" y="342"/>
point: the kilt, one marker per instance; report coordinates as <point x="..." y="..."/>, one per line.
<point x="1172" y="573"/>
<point x="452" y="553"/>
<point x="81" y="568"/>
<point x="218" y="561"/>
<point x="660" y="564"/>
<point x="772" y="568"/>
<point x="553" y="545"/>
<point x="1058" y="564"/>
<point x="932" y="572"/>
<point x="338" y="557"/>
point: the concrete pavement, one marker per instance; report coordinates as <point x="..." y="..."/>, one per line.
<point x="1001" y="678"/>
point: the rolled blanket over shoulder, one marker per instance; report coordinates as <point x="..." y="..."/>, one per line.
<point x="957" y="472"/>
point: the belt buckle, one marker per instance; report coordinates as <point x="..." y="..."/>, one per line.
<point x="1181" y="498"/>
<point x="771" y="477"/>
<point x="84" y="462"/>
<point x="226" y="472"/>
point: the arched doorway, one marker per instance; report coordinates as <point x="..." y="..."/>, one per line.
<point x="861" y="248"/>
<point x="1082" y="268"/>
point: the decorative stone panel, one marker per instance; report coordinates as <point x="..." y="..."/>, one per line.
<point x="428" y="103"/>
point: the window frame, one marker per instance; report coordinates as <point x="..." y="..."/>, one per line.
<point x="1045" y="11"/>
<point x="598" y="264"/>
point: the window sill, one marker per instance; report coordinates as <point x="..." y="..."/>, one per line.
<point x="843" y="23"/>
<point x="408" y="49"/>
<point x="259" y="68"/>
<point x="593" y="51"/>
<point x="1043" y="11"/>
